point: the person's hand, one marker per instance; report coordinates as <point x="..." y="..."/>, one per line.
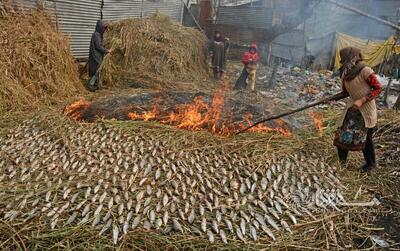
<point x="329" y="102"/>
<point x="358" y="103"/>
<point x="227" y="38"/>
<point x="110" y="51"/>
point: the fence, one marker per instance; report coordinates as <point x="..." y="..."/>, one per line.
<point x="77" y="18"/>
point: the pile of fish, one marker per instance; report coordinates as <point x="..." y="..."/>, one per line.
<point x="115" y="182"/>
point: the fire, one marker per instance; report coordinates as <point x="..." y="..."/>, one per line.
<point x="146" y="116"/>
<point x="194" y="116"/>
<point x="199" y="115"/>
<point x="76" y="109"/>
<point x="318" y="119"/>
<point x="264" y="128"/>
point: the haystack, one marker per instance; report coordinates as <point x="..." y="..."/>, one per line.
<point x="154" y="52"/>
<point x="35" y="61"/>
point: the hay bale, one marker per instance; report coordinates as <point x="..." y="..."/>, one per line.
<point x="35" y="61"/>
<point x="153" y="52"/>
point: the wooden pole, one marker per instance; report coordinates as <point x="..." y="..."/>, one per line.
<point x="362" y="13"/>
<point x="333" y="98"/>
<point x="191" y="14"/>
<point x="386" y="95"/>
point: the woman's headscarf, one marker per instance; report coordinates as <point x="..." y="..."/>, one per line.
<point x="218" y="38"/>
<point x="352" y="63"/>
<point x="101" y="26"/>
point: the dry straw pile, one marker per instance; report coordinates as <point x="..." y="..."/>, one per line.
<point x="153" y="52"/>
<point x="36" y="65"/>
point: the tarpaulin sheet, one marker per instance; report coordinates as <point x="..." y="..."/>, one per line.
<point x="374" y="51"/>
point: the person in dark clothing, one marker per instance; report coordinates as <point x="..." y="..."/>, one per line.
<point x="249" y="60"/>
<point x="218" y="49"/>
<point x="97" y="52"/>
<point x="361" y="85"/>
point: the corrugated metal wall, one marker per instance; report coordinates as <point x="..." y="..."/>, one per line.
<point x="290" y="46"/>
<point x="172" y="8"/>
<point x="122" y="9"/>
<point x="78" y="20"/>
<point x="49" y="6"/>
<point x="246" y="16"/>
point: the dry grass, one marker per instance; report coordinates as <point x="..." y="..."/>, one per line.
<point x="154" y="52"/>
<point x="35" y="61"/>
<point x="348" y="229"/>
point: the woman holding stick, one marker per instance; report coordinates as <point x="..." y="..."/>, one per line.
<point x="358" y="120"/>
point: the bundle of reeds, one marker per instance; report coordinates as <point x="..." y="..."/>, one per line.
<point x="153" y="52"/>
<point x="35" y="61"/>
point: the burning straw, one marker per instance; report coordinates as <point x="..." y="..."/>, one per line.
<point x="35" y="61"/>
<point x="153" y="52"/>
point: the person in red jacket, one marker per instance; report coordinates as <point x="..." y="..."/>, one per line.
<point x="249" y="60"/>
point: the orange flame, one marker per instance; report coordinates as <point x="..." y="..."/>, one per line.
<point x="197" y="115"/>
<point x="318" y="119"/>
<point x="146" y="116"/>
<point x="264" y="128"/>
<point x="76" y="109"/>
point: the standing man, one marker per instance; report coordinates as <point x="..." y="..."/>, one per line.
<point x="250" y="60"/>
<point x="218" y="49"/>
<point x="96" y="55"/>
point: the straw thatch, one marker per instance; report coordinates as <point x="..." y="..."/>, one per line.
<point x="153" y="52"/>
<point x="35" y="61"/>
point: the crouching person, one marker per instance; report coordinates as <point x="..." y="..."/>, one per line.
<point x="250" y="60"/>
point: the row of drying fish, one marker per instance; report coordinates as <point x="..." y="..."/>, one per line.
<point x="117" y="182"/>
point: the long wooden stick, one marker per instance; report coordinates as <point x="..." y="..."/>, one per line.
<point x="333" y="98"/>
<point x="362" y="13"/>
<point x="193" y="17"/>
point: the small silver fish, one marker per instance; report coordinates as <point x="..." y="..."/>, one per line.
<point x="176" y="226"/>
<point x="268" y="232"/>
<point x="211" y="237"/>
<point x="223" y="236"/>
<point x="239" y="234"/>
<point x="96" y="219"/>
<point x="253" y="233"/>
<point x="120" y="209"/>
<point x="152" y="216"/>
<point x="271" y="222"/>
<point x="86" y="210"/>
<point x="274" y="213"/>
<point x="229" y="225"/>
<point x="285" y="225"/>
<point x="278" y="207"/>
<point x="291" y="217"/>
<point x="107" y="216"/>
<point x="214" y="226"/>
<point x="85" y="219"/>
<point x="204" y="224"/>
<point x="115" y="234"/>
<point x="98" y="210"/>
<point x="136" y="221"/>
<point x="243" y="226"/>
<point x="191" y="216"/>
<point x="165" y="217"/>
